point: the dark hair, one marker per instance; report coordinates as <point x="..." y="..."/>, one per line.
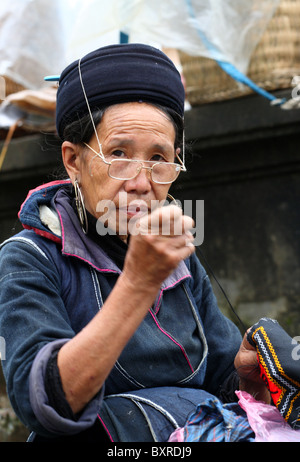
<point x="81" y="130"/>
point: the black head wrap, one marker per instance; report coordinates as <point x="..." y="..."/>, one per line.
<point x="118" y="74"/>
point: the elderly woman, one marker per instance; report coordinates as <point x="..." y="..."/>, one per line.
<point x="111" y="327"/>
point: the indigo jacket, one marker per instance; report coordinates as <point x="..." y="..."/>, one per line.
<point x="54" y="279"/>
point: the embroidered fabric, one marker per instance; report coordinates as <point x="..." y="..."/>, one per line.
<point x="279" y="367"/>
<point x="213" y="421"/>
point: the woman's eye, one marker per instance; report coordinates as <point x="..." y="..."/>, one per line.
<point x="158" y="158"/>
<point x="118" y="153"/>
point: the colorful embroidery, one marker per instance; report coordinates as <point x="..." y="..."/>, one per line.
<point x="279" y="370"/>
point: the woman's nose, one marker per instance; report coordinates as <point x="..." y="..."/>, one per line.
<point x="140" y="184"/>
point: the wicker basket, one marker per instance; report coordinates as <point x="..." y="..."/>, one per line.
<point x="275" y="61"/>
<point x="10" y="86"/>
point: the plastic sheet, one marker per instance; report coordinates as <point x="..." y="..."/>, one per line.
<point x="32" y="40"/>
<point x="223" y="30"/>
<point x="39" y="38"/>
<point x="226" y="31"/>
<point x="266" y="421"/>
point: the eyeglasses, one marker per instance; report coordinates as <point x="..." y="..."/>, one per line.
<point x="127" y="169"/>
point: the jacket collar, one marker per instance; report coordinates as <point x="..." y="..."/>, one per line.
<point x="74" y="242"/>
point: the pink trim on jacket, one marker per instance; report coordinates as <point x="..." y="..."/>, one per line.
<point x="173" y="340"/>
<point x="105" y="428"/>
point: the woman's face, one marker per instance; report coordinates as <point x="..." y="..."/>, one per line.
<point x="127" y="131"/>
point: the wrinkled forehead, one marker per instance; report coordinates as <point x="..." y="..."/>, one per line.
<point x="136" y="118"/>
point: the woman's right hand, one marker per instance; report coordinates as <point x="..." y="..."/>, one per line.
<point x="159" y="242"/>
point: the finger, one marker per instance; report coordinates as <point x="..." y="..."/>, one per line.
<point x="183" y="240"/>
<point x="166" y="221"/>
<point x="188" y="224"/>
<point x="185" y="251"/>
<point x="183" y="243"/>
<point x="245" y="344"/>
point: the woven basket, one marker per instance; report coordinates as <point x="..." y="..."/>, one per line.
<point x="9" y="86"/>
<point x="275" y="61"/>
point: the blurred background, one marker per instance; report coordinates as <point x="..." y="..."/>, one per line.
<point x="240" y="64"/>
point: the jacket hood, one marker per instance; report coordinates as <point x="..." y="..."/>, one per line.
<point x="33" y="215"/>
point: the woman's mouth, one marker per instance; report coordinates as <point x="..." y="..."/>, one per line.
<point x="135" y="209"/>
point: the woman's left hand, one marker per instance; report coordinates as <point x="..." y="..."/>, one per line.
<point x="246" y="364"/>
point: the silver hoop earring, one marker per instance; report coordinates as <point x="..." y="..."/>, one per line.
<point x="80" y="208"/>
<point x="172" y="199"/>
